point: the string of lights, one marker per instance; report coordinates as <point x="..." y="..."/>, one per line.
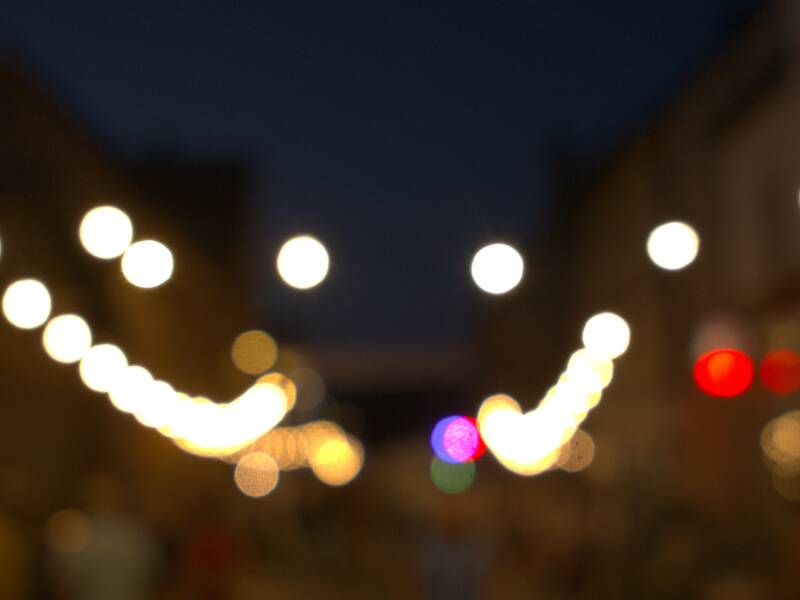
<point x="196" y="424"/>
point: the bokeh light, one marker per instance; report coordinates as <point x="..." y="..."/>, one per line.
<point x="456" y="440"/>
<point x="578" y="453"/>
<point x="106" y="232"/>
<point x="130" y="386"/>
<point x="723" y="372"/>
<point x="68" y="531"/>
<point x="102" y="366"/>
<point x="27" y="304"/>
<point x="285" y="384"/>
<point x="452" y="478"/>
<point x="780" y="371"/>
<point x="606" y="336"/>
<point x="67" y="338"/>
<point x="147" y="264"/>
<point x="673" y="246"/>
<point x="780" y="443"/>
<point x="497" y="268"/>
<point x="337" y="460"/>
<point x="254" y="352"/>
<point x="303" y="262"/>
<point x="158" y="407"/>
<point x="256" y="474"/>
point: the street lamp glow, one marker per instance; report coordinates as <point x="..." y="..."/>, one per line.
<point x="106" y="232"/>
<point x="497" y="268"/>
<point x="606" y="336"/>
<point x="147" y="264"/>
<point x="303" y="262"/>
<point x="67" y="338"/>
<point x="27" y="304"/>
<point x="673" y="246"/>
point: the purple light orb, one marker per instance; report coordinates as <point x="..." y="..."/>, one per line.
<point x="456" y="440"/>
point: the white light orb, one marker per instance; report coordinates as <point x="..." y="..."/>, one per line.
<point x="147" y="264"/>
<point x="67" y="338"/>
<point x="106" y="232"/>
<point x="303" y="262"/>
<point x="27" y="304"/>
<point x="606" y="336"/>
<point x="130" y="388"/>
<point x="102" y="367"/>
<point x="673" y="246"/>
<point x="497" y="268"/>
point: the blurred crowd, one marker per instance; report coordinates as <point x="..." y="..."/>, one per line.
<point x="391" y="534"/>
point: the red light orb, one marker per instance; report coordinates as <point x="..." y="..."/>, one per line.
<point x="780" y="371"/>
<point x="724" y="372"/>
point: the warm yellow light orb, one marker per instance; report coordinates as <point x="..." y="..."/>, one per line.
<point x="27" y="304"/>
<point x="147" y="264"/>
<point x="254" y="352"/>
<point x="106" y="232"/>
<point x="337" y="460"/>
<point x="606" y="336"/>
<point x="67" y="338"/>
<point x="102" y="366"/>
<point x="131" y="388"/>
<point x="673" y="246"/>
<point x="497" y="268"/>
<point x="256" y="474"/>
<point x="303" y="262"/>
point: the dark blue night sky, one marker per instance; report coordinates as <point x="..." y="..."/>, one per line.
<point x="404" y="135"/>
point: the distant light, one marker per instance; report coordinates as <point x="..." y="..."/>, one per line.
<point x="285" y="384"/>
<point x="102" y="366"/>
<point x="578" y="453"/>
<point x="337" y="460"/>
<point x="452" y="478"/>
<point x="606" y="335"/>
<point x="303" y="262"/>
<point x="159" y="407"/>
<point x="456" y="440"/>
<point x="780" y="371"/>
<point x="106" y="232"/>
<point x="27" y="304"/>
<point x="780" y="442"/>
<point x="130" y="387"/>
<point x="724" y="372"/>
<point x="67" y="338"/>
<point x="497" y="268"/>
<point x="254" y="352"/>
<point x="256" y="474"/>
<point x="147" y="264"/>
<point x="673" y="246"/>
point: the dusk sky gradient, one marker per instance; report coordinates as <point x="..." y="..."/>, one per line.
<point x="403" y="135"/>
